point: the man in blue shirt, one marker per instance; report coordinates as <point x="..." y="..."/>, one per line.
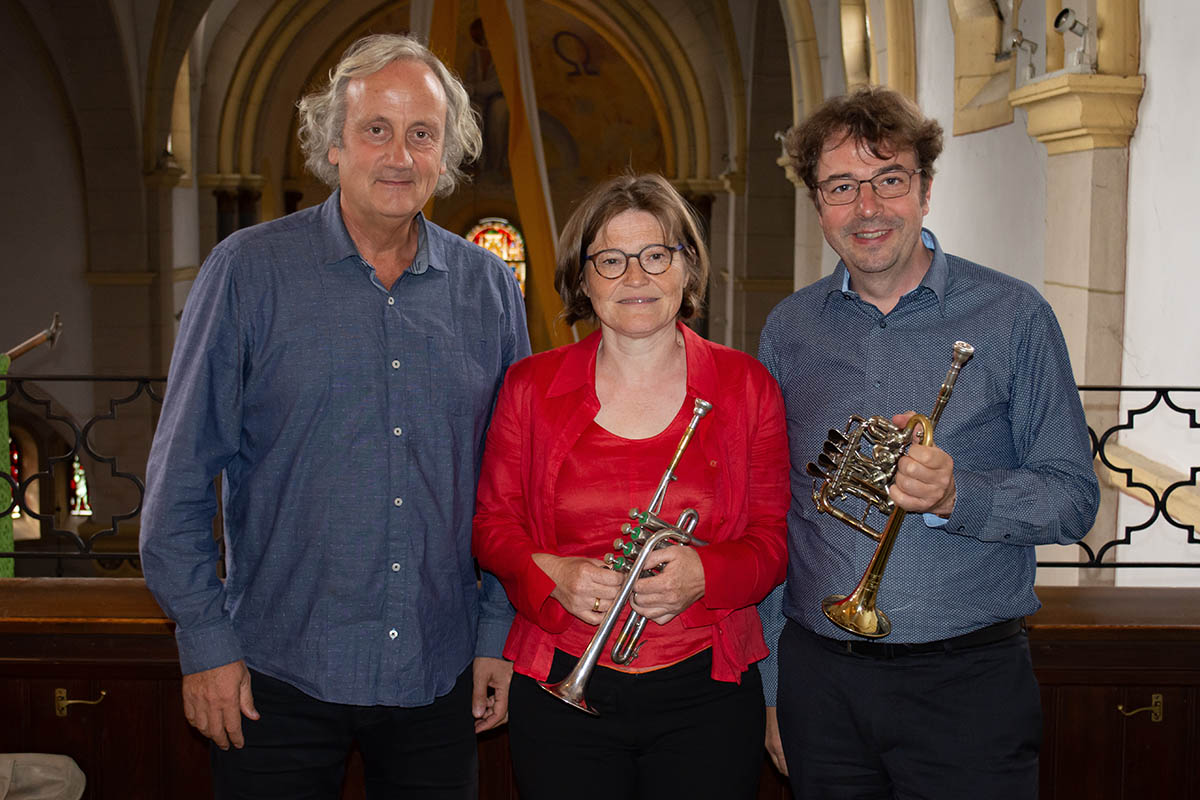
<point x="337" y="368"/>
<point x="947" y="705"/>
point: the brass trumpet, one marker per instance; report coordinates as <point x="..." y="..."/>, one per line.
<point x="846" y="471"/>
<point x="648" y="534"/>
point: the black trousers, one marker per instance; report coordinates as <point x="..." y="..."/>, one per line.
<point x="298" y="749"/>
<point x="673" y="732"/>
<point x="959" y="724"/>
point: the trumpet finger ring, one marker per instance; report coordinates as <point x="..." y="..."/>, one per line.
<point x="596" y="605"/>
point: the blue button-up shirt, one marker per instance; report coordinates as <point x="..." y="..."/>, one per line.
<point x="1014" y="427"/>
<point x="347" y="422"/>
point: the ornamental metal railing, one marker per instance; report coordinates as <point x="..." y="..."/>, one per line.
<point x="1167" y="498"/>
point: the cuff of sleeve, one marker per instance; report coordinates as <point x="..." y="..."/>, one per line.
<point x="548" y="613"/>
<point x="770" y="611"/>
<point x="972" y="506"/>
<point x="206" y="648"/>
<point x="490" y="638"/>
<point x="768" y="668"/>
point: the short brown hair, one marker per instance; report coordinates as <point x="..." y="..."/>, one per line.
<point x="882" y="120"/>
<point x="650" y="193"/>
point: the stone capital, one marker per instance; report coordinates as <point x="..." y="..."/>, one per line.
<point x="1071" y="111"/>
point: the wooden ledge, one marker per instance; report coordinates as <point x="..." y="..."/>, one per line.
<point x="1110" y="612"/>
<point x="80" y="606"/>
<point x="125" y="606"/>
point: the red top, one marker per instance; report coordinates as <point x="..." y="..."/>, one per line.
<point x="546" y="404"/>
<point x="603" y="477"/>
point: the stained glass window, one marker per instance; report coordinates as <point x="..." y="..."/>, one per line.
<point x="502" y="238"/>
<point x="14" y="461"/>
<point x="80" y="505"/>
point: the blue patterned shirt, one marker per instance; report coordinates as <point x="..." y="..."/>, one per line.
<point x="347" y="422"/>
<point x="1014" y="427"/>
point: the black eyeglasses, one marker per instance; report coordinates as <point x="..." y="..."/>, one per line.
<point x="887" y="185"/>
<point x="654" y="258"/>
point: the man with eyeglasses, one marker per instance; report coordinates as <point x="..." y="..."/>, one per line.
<point x="947" y="705"/>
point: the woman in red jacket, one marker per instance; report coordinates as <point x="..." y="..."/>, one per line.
<point x="582" y="434"/>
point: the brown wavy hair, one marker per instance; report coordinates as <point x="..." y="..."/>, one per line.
<point x="651" y="193"/>
<point x="882" y="120"/>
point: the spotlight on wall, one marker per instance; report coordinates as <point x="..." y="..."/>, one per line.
<point x="1017" y="43"/>
<point x="1081" y="60"/>
<point x="1066" y="21"/>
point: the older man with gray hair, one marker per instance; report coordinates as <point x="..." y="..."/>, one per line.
<point x="337" y="368"/>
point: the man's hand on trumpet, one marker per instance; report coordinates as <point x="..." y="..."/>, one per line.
<point x="668" y="594"/>
<point x="584" y="586"/>
<point x="924" y="477"/>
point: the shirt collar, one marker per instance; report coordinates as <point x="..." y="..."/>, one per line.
<point x="578" y="368"/>
<point x="431" y="251"/>
<point x="935" y="278"/>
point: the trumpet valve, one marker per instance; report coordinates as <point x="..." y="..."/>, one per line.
<point x="616" y="563"/>
<point x="634" y="532"/>
<point x="627" y="549"/>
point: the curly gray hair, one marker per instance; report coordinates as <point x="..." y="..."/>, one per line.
<point x="323" y="113"/>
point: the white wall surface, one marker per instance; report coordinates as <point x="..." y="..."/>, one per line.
<point x="1162" y="300"/>
<point x="989" y="194"/>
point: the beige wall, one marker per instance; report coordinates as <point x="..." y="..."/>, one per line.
<point x="42" y="216"/>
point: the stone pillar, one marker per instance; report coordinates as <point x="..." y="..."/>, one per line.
<point x="160" y="252"/>
<point x="248" y="198"/>
<point x="1085" y="120"/>
<point x="225" y="189"/>
<point x="226" y="212"/>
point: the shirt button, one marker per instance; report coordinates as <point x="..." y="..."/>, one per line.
<point x="398" y="501"/>
<point x="396" y="567"/>
<point x="396" y="364"/>
<point x="396" y="431"/>
<point x="393" y="633"/>
<point x="391" y="301"/>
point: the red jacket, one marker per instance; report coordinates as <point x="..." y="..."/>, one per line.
<point x="545" y="404"/>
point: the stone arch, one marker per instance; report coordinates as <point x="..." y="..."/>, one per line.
<point x="636" y="30"/>
<point x="169" y="45"/>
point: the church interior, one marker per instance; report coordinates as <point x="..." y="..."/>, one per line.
<point x="143" y="132"/>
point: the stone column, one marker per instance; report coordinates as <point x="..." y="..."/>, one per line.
<point x="160" y="252"/>
<point x="1085" y="120"/>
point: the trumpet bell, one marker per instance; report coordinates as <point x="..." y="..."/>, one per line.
<point x="854" y="614"/>
<point x="570" y="691"/>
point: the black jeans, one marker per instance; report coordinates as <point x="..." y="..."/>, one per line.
<point x="673" y="732"/>
<point x="298" y="749"/>
<point x="960" y="724"/>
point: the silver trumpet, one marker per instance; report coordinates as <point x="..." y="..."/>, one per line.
<point x="648" y="533"/>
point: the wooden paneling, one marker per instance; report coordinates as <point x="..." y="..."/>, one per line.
<point x="1093" y="649"/>
<point x="1097" y="648"/>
